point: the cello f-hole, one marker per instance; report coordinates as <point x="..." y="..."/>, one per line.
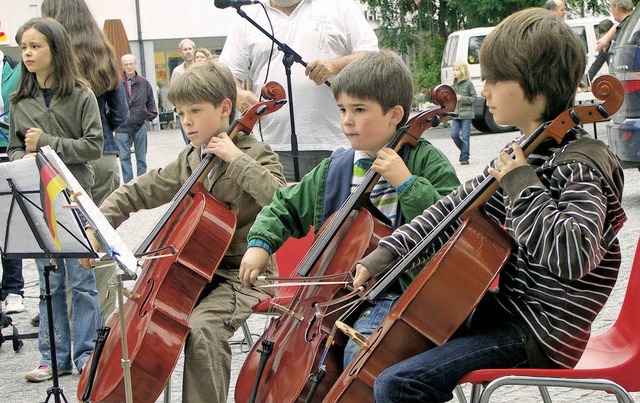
<point x="310" y="334"/>
<point x="142" y="312"/>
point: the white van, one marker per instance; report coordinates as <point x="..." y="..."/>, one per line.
<point x="465" y="46"/>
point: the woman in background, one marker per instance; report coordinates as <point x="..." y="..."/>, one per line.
<point x="461" y="125"/>
<point x="100" y="67"/>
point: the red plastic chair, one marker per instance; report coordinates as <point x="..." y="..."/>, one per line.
<point x="287" y="257"/>
<point x="611" y="361"/>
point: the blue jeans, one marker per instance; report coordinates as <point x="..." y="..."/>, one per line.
<point x="12" y="280"/>
<point x="460" y="133"/>
<point x="368" y="322"/>
<point x="433" y="375"/>
<point x="140" y="146"/>
<point x="85" y="317"/>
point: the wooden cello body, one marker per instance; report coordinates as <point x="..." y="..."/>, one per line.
<point x="451" y="285"/>
<point x="198" y="229"/>
<point x="434" y="306"/>
<point x="302" y="332"/>
<point x="298" y="338"/>
<point x="157" y="320"/>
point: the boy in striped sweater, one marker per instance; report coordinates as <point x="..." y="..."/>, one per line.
<point x="561" y="206"/>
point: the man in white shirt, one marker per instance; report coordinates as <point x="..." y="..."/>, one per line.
<point x="328" y="35"/>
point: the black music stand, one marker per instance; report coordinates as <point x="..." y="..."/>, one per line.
<point x="21" y="209"/>
<point x="290" y="57"/>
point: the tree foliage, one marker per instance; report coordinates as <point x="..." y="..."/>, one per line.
<point x="418" y="29"/>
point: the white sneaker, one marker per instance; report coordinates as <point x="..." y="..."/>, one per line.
<point x="13" y="304"/>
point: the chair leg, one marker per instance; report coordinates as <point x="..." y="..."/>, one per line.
<point x="460" y="394"/>
<point x="247" y="334"/>
<point x="167" y="392"/>
<point x="544" y="392"/>
<point x="476" y="392"/>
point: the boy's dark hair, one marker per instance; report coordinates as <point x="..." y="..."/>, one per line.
<point x="65" y="67"/>
<point x="378" y="76"/>
<point x="208" y="81"/>
<point x="540" y="52"/>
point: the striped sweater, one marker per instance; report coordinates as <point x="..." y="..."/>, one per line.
<point x="563" y="211"/>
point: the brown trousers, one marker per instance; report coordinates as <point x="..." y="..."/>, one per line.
<point x="207" y="362"/>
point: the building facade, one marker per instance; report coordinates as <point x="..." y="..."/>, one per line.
<point x="153" y="27"/>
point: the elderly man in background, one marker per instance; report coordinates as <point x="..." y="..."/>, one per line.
<point x="328" y="35"/>
<point x="557" y="7"/>
<point x="142" y="108"/>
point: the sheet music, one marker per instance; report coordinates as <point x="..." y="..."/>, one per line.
<point x="17" y="237"/>
<point x="95" y="218"/>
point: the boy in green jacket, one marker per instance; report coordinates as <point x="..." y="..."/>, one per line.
<point x="374" y="95"/>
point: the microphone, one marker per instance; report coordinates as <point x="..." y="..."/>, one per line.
<point x="234" y="3"/>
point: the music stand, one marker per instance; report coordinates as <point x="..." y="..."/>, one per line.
<point x="21" y="209"/>
<point x="117" y="252"/>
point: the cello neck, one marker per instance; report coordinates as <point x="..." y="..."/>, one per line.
<point x="353" y="201"/>
<point x="444" y="98"/>
<point x="605" y="88"/>
<point x="198" y="176"/>
<point x="474" y="200"/>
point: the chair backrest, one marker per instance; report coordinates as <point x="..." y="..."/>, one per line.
<point x="291" y="253"/>
<point x="628" y="321"/>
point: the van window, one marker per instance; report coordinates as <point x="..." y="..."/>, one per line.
<point x="582" y="34"/>
<point x="449" y="56"/>
<point x="475" y="42"/>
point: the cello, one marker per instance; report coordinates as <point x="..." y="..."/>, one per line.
<point x="292" y="343"/>
<point x="199" y="228"/>
<point x="442" y="296"/>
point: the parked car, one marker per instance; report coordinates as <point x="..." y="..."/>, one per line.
<point x="465" y="46"/>
<point x="624" y="129"/>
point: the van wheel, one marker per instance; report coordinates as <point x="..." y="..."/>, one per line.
<point x="488" y="125"/>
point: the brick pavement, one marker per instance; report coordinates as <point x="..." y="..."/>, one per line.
<point x="163" y="147"/>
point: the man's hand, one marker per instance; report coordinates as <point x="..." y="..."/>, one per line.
<point x="361" y="277"/>
<point x="246" y="99"/>
<point x="321" y="70"/>
<point x="253" y="263"/>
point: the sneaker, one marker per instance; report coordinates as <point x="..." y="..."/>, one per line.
<point x="35" y="322"/>
<point x="44" y="373"/>
<point x="464" y="162"/>
<point x="13" y="304"/>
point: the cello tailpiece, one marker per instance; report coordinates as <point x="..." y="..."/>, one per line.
<point x="354" y="335"/>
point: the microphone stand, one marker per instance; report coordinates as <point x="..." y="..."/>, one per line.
<point x="290" y="57"/>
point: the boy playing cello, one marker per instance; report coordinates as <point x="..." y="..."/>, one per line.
<point x="245" y="179"/>
<point x="561" y="206"/>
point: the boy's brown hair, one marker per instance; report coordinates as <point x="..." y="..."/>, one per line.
<point x="378" y="76"/>
<point x="540" y="52"/>
<point x="208" y="81"/>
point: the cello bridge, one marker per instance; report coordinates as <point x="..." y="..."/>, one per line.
<point x="289" y="312"/>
